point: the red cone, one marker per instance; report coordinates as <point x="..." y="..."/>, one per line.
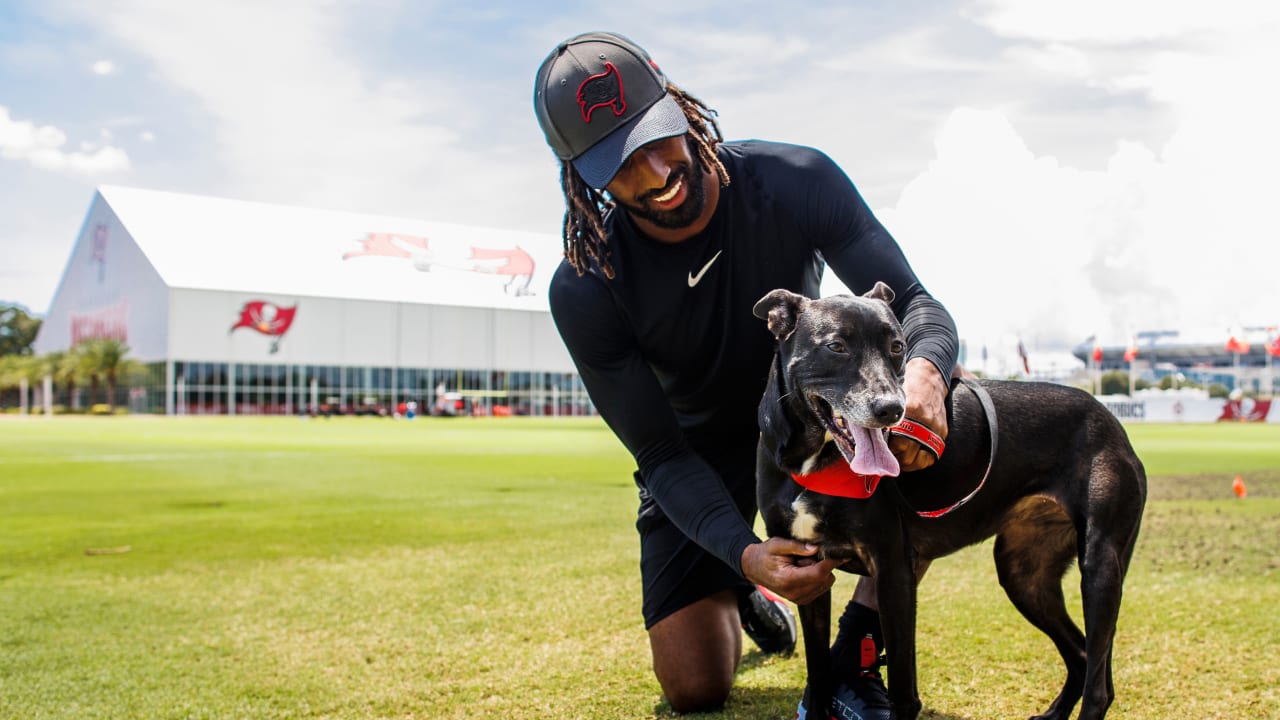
<point x="1238" y="487"/>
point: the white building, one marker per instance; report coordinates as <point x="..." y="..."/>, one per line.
<point x="241" y="307"/>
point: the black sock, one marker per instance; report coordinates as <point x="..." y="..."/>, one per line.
<point x="851" y="652"/>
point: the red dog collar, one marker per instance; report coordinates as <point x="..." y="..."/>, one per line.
<point x="838" y="480"/>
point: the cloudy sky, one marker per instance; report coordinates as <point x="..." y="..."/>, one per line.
<point x="1053" y="170"/>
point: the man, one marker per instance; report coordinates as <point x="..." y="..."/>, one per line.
<point x="671" y="236"/>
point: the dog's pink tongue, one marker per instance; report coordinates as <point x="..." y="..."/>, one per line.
<point x="871" y="455"/>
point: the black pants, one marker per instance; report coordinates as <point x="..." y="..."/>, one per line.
<point x="675" y="571"/>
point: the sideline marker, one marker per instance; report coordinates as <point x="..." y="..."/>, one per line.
<point x="1238" y="487"/>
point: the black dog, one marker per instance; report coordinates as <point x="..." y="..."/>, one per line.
<point x="1058" y="481"/>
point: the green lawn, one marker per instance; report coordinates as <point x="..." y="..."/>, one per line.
<point x="461" y="568"/>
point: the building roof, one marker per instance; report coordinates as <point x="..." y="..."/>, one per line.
<point x="200" y="242"/>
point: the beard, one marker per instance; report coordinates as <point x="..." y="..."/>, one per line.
<point x="691" y="175"/>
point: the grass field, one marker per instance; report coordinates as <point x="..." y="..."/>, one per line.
<point x="369" y="568"/>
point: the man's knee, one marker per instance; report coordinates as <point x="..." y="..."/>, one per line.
<point x="696" y="652"/>
<point x="695" y="679"/>
<point x="686" y="694"/>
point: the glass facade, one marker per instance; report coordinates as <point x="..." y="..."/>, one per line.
<point x="204" y="388"/>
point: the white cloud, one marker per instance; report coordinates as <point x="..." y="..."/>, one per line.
<point x="1110" y="22"/>
<point x="295" y="117"/>
<point x="1015" y="243"/>
<point x="1178" y="233"/>
<point x="1177" y="237"/>
<point x="42" y="147"/>
<point x="103" y="67"/>
<point x="1002" y="237"/>
<point x="1054" y="58"/>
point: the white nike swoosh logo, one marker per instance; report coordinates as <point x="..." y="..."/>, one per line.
<point x="695" y="279"/>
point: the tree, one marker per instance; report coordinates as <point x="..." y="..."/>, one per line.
<point x="10" y="376"/>
<point x="1114" y="382"/>
<point x="104" y="359"/>
<point x="18" y="329"/>
<point x="16" y="370"/>
<point x="64" y="367"/>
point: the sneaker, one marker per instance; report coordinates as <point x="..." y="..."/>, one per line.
<point x="864" y="701"/>
<point x="862" y="697"/>
<point x="768" y="621"/>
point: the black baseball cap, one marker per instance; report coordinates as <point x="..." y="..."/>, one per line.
<point x="599" y="97"/>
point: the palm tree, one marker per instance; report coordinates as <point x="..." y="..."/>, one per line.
<point x="104" y="358"/>
<point x="64" y="367"/>
<point x="84" y="355"/>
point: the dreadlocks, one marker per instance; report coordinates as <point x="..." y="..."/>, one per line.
<point x="585" y="206"/>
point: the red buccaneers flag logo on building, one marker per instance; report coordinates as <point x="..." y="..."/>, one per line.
<point x="266" y="318"/>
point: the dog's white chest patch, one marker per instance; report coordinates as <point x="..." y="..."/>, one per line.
<point x="804" y="526"/>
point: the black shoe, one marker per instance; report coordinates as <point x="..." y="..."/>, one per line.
<point x="861" y="697"/>
<point x="867" y="701"/>
<point x="768" y="622"/>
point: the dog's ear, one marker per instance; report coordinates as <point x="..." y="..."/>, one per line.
<point x="880" y="292"/>
<point x="780" y="308"/>
<point x="771" y="415"/>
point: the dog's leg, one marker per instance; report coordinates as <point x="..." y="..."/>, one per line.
<point x="1107" y="551"/>
<point x="1102" y="576"/>
<point x="815" y="623"/>
<point x="1031" y="556"/>
<point x="895" y="574"/>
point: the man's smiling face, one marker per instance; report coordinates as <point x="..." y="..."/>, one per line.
<point x="662" y="182"/>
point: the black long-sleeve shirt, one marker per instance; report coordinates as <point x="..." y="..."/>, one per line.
<point x="669" y="349"/>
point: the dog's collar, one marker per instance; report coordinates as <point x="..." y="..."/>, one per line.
<point x="839" y="480"/>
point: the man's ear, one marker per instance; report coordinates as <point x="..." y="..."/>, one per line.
<point x="780" y="308"/>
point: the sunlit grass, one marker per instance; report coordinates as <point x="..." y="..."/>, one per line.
<point x="370" y="568"/>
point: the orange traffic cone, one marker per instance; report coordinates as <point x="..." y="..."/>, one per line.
<point x="1238" y="487"/>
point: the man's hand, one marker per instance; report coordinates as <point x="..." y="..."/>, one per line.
<point x="789" y="568"/>
<point x="926" y="391"/>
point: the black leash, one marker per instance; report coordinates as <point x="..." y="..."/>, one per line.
<point x="984" y="399"/>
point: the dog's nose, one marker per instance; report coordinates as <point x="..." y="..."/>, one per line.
<point x="887" y="410"/>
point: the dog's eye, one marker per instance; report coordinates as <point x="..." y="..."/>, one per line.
<point x="836" y="346"/>
<point x="897" y="346"/>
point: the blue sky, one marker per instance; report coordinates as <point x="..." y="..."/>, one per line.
<point x="1053" y="170"/>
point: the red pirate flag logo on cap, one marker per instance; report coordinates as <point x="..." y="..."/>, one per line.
<point x="602" y="90"/>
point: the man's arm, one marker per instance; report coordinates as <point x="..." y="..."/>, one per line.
<point x="861" y="251"/>
<point x="689" y="491"/>
<point x="631" y="401"/>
